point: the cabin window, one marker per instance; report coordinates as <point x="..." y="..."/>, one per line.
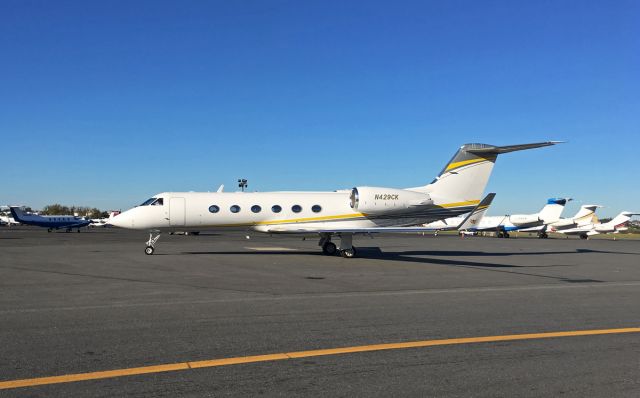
<point x="276" y="209"/>
<point x="256" y="209"/>
<point x="316" y="209"/>
<point x="235" y="208"/>
<point x="296" y="208"/>
<point x="214" y="209"/>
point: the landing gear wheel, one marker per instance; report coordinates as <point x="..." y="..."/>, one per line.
<point x="348" y="253"/>
<point x="506" y="235"/>
<point x="151" y="242"/>
<point x="329" y="249"/>
<point x="584" y="236"/>
<point x="543" y="236"/>
<point x="48" y="229"/>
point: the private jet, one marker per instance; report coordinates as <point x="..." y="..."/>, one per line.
<point x="502" y="225"/>
<point x="361" y="210"/>
<point x="616" y="225"/>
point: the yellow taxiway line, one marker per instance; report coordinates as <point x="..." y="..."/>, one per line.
<point x="71" y="378"/>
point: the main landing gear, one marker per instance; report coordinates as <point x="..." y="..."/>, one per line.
<point x="151" y="242"/>
<point x="330" y="249"/>
<point x="502" y="234"/>
<point x="543" y="235"/>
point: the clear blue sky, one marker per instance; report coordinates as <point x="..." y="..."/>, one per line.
<point x="106" y="103"/>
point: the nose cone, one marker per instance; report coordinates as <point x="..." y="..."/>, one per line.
<point x="122" y="220"/>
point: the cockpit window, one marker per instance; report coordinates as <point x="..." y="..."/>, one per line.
<point x="153" y="202"/>
<point x="148" y="202"/>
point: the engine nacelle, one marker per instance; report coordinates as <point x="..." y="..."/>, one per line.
<point x="373" y="200"/>
<point x="524" y="219"/>
<point x="605" y="228"/>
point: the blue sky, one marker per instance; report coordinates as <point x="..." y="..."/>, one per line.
<point x="106" y="103"/>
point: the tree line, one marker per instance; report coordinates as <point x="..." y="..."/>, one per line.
<point x="60" y="210"/>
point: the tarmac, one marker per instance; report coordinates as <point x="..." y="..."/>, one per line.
<point x="89" y="314"/>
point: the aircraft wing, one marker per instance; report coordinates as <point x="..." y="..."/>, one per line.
<point x="484" y="203"/>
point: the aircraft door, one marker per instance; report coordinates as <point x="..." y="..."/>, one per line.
<point x="177" y="213"/>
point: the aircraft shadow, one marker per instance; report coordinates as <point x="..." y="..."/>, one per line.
<point x="374" y="253"/>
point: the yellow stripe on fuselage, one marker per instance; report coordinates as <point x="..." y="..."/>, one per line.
<point x="458" y="204"/>
<point x="455" y="165"/>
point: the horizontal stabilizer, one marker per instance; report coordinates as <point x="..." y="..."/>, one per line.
<point x="484" y="149"/>
<point x="473" y="219"/>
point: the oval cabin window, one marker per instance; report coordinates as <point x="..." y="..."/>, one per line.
<point x="235" y="208"/>
<point x="214" y="209"/>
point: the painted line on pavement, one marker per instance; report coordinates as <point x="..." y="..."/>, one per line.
<point x="172" y="367"/>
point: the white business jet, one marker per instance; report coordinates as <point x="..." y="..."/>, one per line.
<point x="617" y="224"/>
<point x="361" y="210"/>
<point x="536" y="222"/>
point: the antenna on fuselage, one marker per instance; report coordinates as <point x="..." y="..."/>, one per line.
<point x="220" y="188"/>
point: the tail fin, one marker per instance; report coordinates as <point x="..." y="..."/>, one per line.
<point x="621" y="219"/>
<point x="17" y="213"/>
<point x="586" y="214"/>
<point x="466" y="175"/>
<point x="552" y="210"/>
<point x="473" y="219"/>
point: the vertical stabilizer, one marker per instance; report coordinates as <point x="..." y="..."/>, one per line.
<point x="585" y="215"/>
<point x="620" y="219"/>
<point x="466" y="175"/>
<point x="552" y="211"/>
<point x="17" y="213"/>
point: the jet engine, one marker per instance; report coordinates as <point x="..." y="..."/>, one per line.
<point x="524" y="219"/>
<point x="373" y="200"/>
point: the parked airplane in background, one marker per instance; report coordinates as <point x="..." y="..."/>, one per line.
<point x="617" y="224"/>
<point x="49" y="222"/>
<point x="361" y="210"/>
<point x="6" y="220"/>
<point x="502" y="225"/>
<point x="585" y="215"/>
<point x="103" y="222"/>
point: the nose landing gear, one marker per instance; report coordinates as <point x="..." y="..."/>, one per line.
<point x="151" y="242"/>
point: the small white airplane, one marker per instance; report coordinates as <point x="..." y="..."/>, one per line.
<point x="502" y="225"/>
<point x="617" y="224"/>
<point x="6" y="220"/>
<point x="103" y="222"/>
<point x="362" y="210"/>
<point x="585" y="215"/>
